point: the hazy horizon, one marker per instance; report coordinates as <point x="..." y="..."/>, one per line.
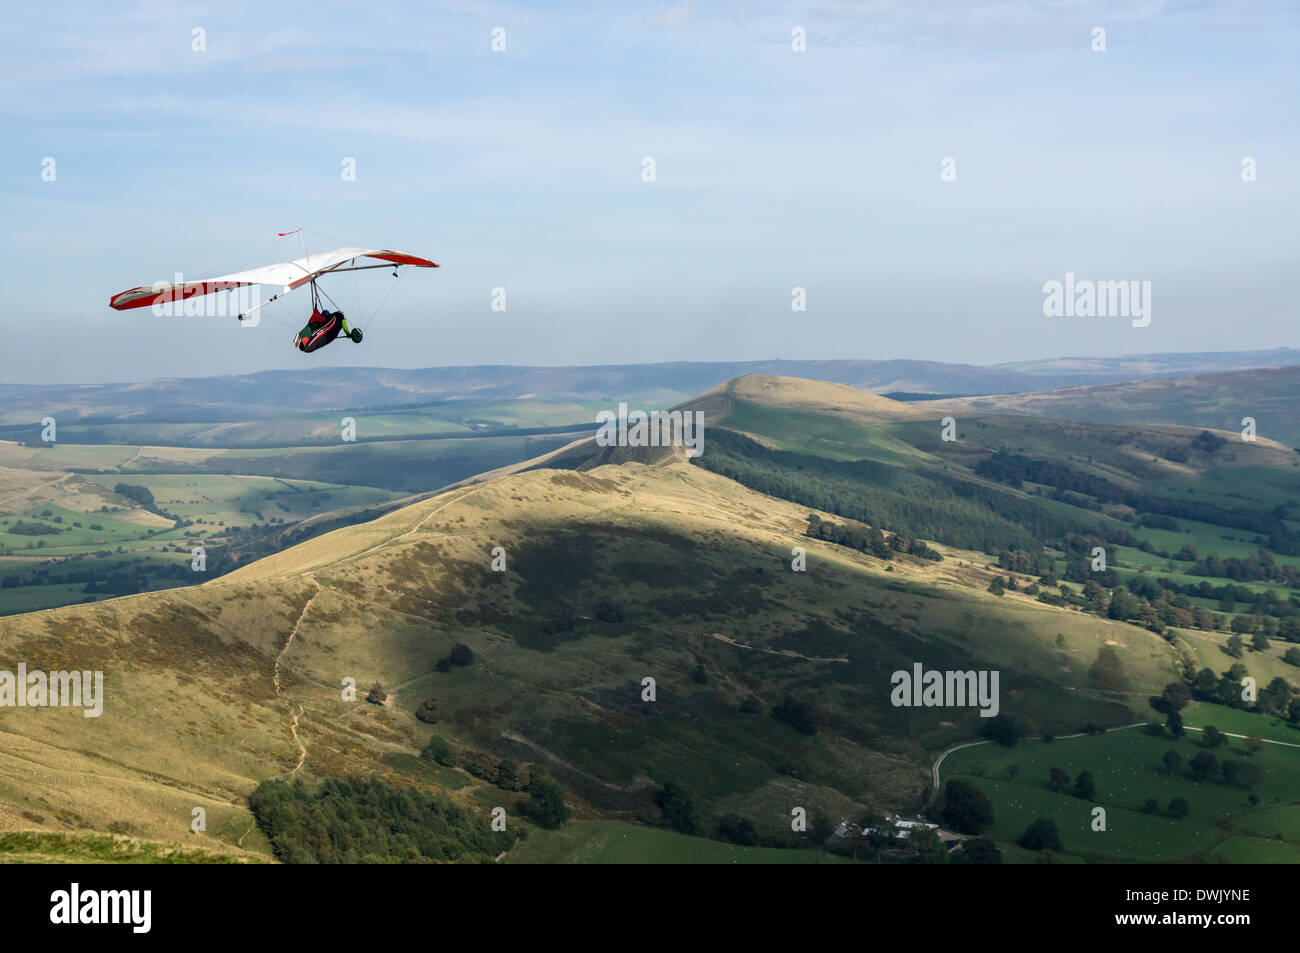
<point x="419" y="367"/>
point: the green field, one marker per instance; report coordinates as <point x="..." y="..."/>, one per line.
<point x="617" y="842"/>
<point x="824" y="436"/>
<point x="1127" y="768"/>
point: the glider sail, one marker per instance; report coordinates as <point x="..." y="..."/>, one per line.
<point x="286" y="275"/>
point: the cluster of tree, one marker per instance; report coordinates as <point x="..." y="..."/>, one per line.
<point x="1156" y="521"/>
<point x="545" y="805"/>
<point x="1230" y="598"/>
<point x="504" y="773"/>
<point x="862" y="538"/>
<point x="1027" y="562"/>
<point x="1257" y="568"/>
<point x="29" y="528"/>
<point x="914" y="547"/>
<point x="1178" y="808"/>
<point x="136" y="493"/>
<point x="364" y="820"/>
<point x="1013" y="469"/>
<point x="1156" y="603"/>
<point x="1083" y="786"/>
<point x="1207" y="442"/>
<point x="930" y="505"/>
<point x="1204" y="766"/>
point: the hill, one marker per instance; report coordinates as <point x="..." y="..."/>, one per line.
<point x="772" y="680"/>
<point x="1218" y="401"/>
<point x="202" y="410"/>
<point x="615" y="574"/>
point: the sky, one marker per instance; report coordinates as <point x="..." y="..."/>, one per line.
<point x="185" y="136"/>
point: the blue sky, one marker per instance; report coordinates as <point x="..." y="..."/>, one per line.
<point x="775" y="169"/>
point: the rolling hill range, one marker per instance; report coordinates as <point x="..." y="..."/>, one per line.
<point x="203" y="410"/>
<point x="1217" y="401"/>
<point x="772" y="685"/>
<point x="1139" y="366"/>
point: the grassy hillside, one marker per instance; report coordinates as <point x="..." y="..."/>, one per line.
<point x="626" y="569"/>
<point x="1218" y="401"/>
<point x="694" y="569"/>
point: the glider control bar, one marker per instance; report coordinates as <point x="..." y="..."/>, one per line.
<point x="261" y="305"/>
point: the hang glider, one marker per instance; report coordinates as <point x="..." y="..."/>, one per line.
<point x="286" y="275"/>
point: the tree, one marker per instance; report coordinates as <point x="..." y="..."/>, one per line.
<point x="1152" y="806"/>
<point x="1235" y="646"/>
<point x="1177" y="809"/>
<point x="1041" y="835"/>
<point x="737" y="830"/>
<point x="1175" y="724"/>
<point x="965" y="808"/>
<point x="429" y="711"/>
<point x="1213" y="736"/>
<point x="1084" y="787"/>
<point x="376" y="695"/>
<point x="1123" y="605"/>
<point x="676" y="807"/>
<point x="1292" y="656"/>
<point x="437" y="750"/>
<point x="545" y="805"/>
<point x="1204" y="765"/>
<point x="1254" y="744"/>
<point x="1058" y="780"/>
<point x="1176" y="695"/>
<point x="506" y="775"/>
<point x="1172" y="760"/>
<point x="461" y="654"/>
<point x="1205" y="684"/>
<point x="929" y="848"/>
<point x="1259" y="642"/>
<point x="1003" y="729"/>
<point x="1107" y="673"/>
<point x="977" y="850"/>
<point x="1276" y="697"/>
